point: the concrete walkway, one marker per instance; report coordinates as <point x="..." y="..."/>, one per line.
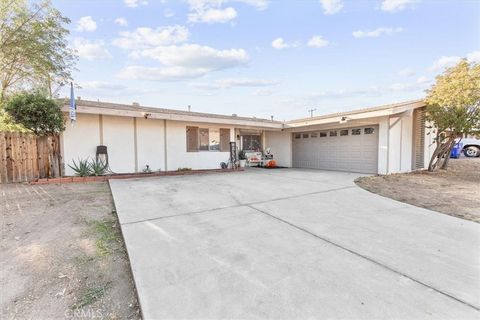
<point x="290" y="244"/>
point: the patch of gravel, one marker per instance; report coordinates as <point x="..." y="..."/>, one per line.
<point x="62" y="255"/>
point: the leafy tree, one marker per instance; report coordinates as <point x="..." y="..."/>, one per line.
<point x="453" y="107"/>
<point x="36" y="113"/>
<point x="34" y="49"/>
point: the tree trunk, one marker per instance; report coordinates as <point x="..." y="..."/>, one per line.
<point x="441" y="155"/>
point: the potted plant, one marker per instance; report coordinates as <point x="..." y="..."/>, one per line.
<point x="242" y="158"/>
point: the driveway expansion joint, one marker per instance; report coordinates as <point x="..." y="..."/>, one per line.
<point x="236" y="205"/>
<point x="364" y="257"/>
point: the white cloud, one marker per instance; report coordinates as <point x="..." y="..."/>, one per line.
<point x="121" y="22"/>
<point x="91" y="50"/>
<point x="246" y="82"/>
<point x="148" y="37"/>
<point x="134" y="3"/>
<point x="423" y="80"/>
<point x="331" y="6"/>
<point x="279" y="43"/>
<point x="161" y="73"/>
<point x="474" y="56"/>
<point x="234" y="82"/>
<point x="101" y="86"/>
<point x="263" y="92"/>
<point x="86" y="24"/>
<point x="376" y="33"/>
<point x="258" y="4"/>
<point x="396" y="5"/>
<point x="407" y="72"/>
<point x="317" y="42"/>
<point x="195" y="56"/>
<point x="212" y="11"/>
<point x="449" y="61"/>
<point x="184" y="62"/>
<point x="212" y="15"/>
<point x="444" y="62"/>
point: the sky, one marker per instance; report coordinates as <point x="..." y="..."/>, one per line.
<point x="266" y="58"/>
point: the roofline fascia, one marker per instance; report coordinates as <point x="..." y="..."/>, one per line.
<point x="176" y="117"/>
<point x="354" y="115"/>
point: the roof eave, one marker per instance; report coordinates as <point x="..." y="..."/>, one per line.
<point x="176" y="117"/>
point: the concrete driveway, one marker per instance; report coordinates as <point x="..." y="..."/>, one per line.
<point x="292" y="244"/>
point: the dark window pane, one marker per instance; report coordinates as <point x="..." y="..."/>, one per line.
<point x="252" y="143"/>
<point x="369" y="130"/>
<point x="203" y="139"/>
<point x="333" y="133"/>
<point x="323" y="134"/>
<point x="313" y="135"/>
<point x="214" y="138"/>
<point x="298" y="135"/>
<point x="356" y="132"/>
<point x="344" y="132"/>
<point x="305" y="135"/>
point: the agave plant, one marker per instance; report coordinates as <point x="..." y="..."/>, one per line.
<point x="98" y="167"/>
<point x="83" y="168"/>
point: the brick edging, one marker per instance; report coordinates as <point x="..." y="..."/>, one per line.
<point x="128" y="176"/>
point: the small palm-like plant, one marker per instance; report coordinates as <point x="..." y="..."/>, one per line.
<point x="82" y="169"/>
<point x="98" y="167"/>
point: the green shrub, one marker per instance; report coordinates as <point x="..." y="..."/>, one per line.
<point x="83" y="168"/>
<point x="98" y="168"/>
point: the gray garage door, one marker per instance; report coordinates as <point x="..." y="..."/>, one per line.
<point x="350" y="149"/>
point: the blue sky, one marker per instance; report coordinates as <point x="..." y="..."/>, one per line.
<point x="262" y="58"/>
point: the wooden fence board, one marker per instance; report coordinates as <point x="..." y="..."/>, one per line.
<point x="25" y="157"/>
<point x="3" y="158"/>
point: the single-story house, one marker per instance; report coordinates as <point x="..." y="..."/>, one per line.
<point x="387" y="139"/>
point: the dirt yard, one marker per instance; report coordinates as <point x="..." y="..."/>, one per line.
<point x="455" y="191"/>
<point x="62" y="255"/>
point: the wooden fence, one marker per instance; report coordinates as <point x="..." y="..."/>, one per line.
<point x="25" y="157"/>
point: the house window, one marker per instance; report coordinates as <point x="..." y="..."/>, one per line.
<point x="298" y="135"/>
<point x="313" y="135"/>
<point x="305" y="135"/>
<point x="333" y="133"/>
<point x="203" y="139"/>
<point x="251" y="142"/>
<point x="344" y="132"/>
<point x="323" y="134"/>
<point x="369" y="130"/>
<point x="356" y="132"/>
<point x="207" y="139"/>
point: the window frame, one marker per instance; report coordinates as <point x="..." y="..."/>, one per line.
<point x="194" y="139"/>
<point x="359" y="130"/>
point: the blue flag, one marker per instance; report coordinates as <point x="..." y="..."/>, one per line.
<point x="73" y="107"/>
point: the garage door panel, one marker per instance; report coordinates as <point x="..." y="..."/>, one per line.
<point x="356" y="153"/>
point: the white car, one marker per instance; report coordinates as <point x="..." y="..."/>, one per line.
<point x="471" y="147"/>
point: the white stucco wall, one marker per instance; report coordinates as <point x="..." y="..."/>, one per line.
<point x="383" y="145"/>
<point x="118" y="136"/>
<point x="400" y="144"/>
<point x="280" y="143"/>
<point x="177" y="155"/>
<point x="407" y="144"/>
<point x="150" y="144"/>
<point x="80" y="140"/>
